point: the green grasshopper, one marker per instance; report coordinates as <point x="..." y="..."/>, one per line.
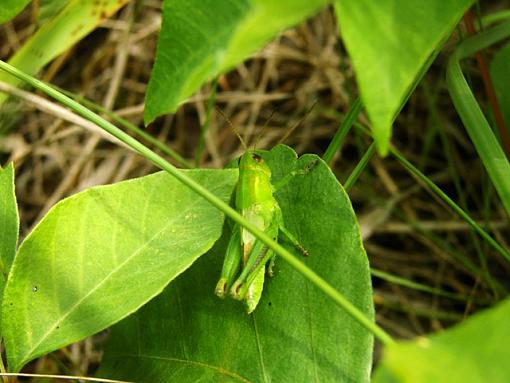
<point x="256" y="202"/>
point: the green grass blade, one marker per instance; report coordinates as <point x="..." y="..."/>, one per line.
<point x="205" y="126"/>
<point x="422" y="177"/>
<point x="479" y="130"/>
<point x="359" y="167"/>
<point x="421" y="287"/>
<point x="342" y="131"/>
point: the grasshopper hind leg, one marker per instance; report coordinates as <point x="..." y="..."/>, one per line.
<point x="294" y="241"/>
<point x="254" y="292"/>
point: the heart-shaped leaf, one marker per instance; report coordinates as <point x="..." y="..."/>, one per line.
<point x="391" y="44"/>
<point x="201" y="39"/>
<point x="296" y="334"/>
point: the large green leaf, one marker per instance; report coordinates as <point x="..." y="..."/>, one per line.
<point x="391" y="44"/>
<point x="500" y="69"/>
<point x="9" y="224"/>
<point x="296" y="334"/>
<point x="99" y="255"/>
<point x="475" y="351"/>
<point x="201" y="38"/>
<point x="10" y="8"/>
<point x="76" y="20"/>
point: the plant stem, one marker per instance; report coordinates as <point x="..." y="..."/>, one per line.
<point x="159" y="161"/>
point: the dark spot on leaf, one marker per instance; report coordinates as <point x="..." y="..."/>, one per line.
<point x="269" y="303"/>
<point x="256" y="157"/>
<point x="34" y="289"/>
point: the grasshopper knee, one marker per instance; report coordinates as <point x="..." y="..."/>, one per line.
<point x="221" y="288"/>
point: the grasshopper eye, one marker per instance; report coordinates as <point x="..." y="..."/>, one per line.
<point x="256" y="157"/>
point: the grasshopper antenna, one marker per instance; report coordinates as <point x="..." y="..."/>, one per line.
<point x="263" y="128"/>
<point x="289" y="132"/>
<point x="234" y="129"/>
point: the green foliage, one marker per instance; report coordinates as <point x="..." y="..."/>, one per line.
<point x="99" y="255"/>
<point x="200" y="39"/>
<point x="485" y="141"/>
<point x="76" y="20"/>
<point x="499" y="70"/>
<point x="10" y="8"/>
<point x="9" y="224"/>
<point x="391" y="45"/>
<point x="295" y="334"/>
<point x="472" y="352"/>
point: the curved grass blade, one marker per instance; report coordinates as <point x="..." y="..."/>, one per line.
<point x="487" y="145"/>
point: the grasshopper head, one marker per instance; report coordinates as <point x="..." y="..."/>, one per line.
<point x="253" y="161"/>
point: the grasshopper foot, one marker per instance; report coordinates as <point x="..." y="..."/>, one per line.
<point x="302" y="250"/>
<point x="235" y="291"/>
<point x="221" y="288"/>
<point x="270" y="267"/>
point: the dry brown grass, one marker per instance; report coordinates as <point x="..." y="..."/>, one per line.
<point x="308" y="64"/>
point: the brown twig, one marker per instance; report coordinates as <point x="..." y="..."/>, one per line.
<point x="489" y="86"/>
